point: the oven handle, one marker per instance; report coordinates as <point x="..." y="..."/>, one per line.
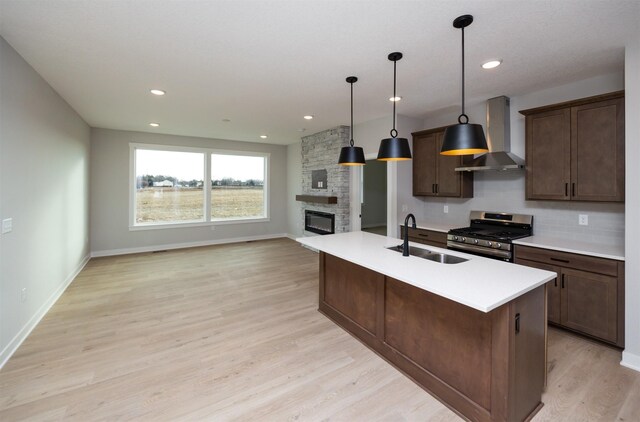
<point x="479" y="249"/>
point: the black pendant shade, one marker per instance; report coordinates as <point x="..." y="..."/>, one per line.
<point x="394" y="148"/>
<point x="463" y="138"/>
<point x="351" y="155"/>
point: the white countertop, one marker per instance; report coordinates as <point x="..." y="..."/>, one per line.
<point x="437" y="227"/>
<point x="574" y="246"/>
<point x="480" y="283"/>
<point x="564" y="245"/>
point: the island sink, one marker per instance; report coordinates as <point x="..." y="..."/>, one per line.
<point x="430" y="255"/>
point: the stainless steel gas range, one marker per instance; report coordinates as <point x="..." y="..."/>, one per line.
<point x="490" y="234"/>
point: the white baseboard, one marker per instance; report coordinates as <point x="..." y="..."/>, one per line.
<point x="292" y="237"/>
<point x="17" y="340"/>
<point x="630" y="360"/>
<point x="154" y="248"/>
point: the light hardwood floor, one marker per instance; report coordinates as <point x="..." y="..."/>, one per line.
<point x="232" y="333"/>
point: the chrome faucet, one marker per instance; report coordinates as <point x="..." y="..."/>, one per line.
<point x="405" y="244"/>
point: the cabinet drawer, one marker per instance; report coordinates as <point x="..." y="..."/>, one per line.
<point x="568" y="260"/>
<point x="429" y="237"/>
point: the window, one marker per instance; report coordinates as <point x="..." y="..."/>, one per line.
<point x="237" y="187"/>
<point x="169" y="188"/>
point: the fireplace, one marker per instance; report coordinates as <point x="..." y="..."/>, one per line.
<point x="319" y="222"/>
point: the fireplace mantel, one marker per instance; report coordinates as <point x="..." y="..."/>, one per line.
<point x="317" y="199"/>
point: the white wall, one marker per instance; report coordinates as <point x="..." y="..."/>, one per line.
<point x="505" y="191"/>
<point x="44" y="188"/>
<point x="631" y="354"/>
<point x="110" y="232"/>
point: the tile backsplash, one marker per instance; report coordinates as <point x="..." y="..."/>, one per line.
<point x="504" y="192"/>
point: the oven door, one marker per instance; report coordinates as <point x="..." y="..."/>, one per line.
<point x="481" y="251"/>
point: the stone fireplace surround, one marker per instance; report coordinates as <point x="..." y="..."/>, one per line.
<point x="320" y="151"/>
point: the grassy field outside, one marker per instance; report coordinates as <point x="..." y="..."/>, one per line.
<point x="186" y="204"/>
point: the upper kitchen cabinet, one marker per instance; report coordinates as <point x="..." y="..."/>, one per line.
<point x="575" y="150"/>
<point x="435" y="174"/>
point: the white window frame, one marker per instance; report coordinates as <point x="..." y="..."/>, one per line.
<point x="208" y="221"/>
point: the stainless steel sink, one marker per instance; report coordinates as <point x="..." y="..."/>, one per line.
<point x="430" y="255"/>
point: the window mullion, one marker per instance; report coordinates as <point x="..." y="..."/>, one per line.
<point x="207" y="187"/>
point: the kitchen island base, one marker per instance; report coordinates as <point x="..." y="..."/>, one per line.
<point x="485" y="366"/>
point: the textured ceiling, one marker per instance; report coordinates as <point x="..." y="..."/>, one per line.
<point x="265" y="64"/>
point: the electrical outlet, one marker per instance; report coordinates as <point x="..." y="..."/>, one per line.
<point x="7" y="225"/>
<point x="446" y="209"/>
<point x="583" y="219"/>
<point x="405" y="208"/>
<point x="23" y="295"/>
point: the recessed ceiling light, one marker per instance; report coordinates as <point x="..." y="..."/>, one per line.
<point x="157" y="91"/>
<point x="308" y="117"/>
<point x="394" y="99"/>
<point x="491" y="64"/>
<point x="263" y="136"/>
<point x="154" y="124"/>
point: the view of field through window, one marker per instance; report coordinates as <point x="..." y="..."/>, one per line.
<point x="170" y="186"/>
<point x="237" y="186"/>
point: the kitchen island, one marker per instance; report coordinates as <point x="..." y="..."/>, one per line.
<point x="470" y="333"/>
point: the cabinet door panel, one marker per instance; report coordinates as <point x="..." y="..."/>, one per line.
<point x="424" y="165"/>
<point x="448" y="178"/>
<point x="589" y="303"/>
<point x="351" y="290"/>
<point x="553" y="289"/>
<point x="548" y="143"/>
<point x="597" y="151"/>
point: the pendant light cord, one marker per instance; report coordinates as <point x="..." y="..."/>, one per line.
<point x="351" y="141"/>
<point x="394" y="132"/>
<point x="463" y="114"/>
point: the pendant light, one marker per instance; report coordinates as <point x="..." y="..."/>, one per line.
<point x="463" y="138"/>
<point x="351" y="156"/>
<point x="394" y="149"/>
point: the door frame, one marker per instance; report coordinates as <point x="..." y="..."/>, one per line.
<point x="392" y="196"/>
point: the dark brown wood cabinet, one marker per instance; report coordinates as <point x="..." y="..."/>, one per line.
<point x="486" y="366"/>
<point x="575" y="150"/>
<point x="588" y="294"/>
<point x="434" y="174"/>
<point x="426" y="237"/>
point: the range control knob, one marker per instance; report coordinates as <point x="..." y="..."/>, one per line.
<point x="489" y="244"/>
<point x="498" y="245"/>
<point x="475" y="241"/>
<point x="464" y="239"/>
<point x="455" y="237"/>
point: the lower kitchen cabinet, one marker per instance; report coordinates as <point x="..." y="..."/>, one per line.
<point x="588" y="294"/>
<point x="486" y="366"/>
<point x="426" y="237"/>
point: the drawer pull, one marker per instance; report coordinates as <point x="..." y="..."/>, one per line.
<point x="517" y="323"/>
<point x="423" y="234"/>
<point x="563" y="281"/>
<point x="555" y="282"/>
<point x="566" y="261"/>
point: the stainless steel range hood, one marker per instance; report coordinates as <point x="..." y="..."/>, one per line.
<point x="499" y="156"/>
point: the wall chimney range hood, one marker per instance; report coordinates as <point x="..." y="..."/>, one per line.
<point x="499" y="156"/>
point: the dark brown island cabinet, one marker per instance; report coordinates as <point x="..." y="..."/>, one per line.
<point x="575" y="150"/>
<point x="485" y="366"/>
<point x="426" y="237"/>
<point x="587" y="296"/>
<point x="434" y="174"/>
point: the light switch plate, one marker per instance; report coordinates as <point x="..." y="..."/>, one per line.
<point x="583" y="219"/>
<point x="7" y="225"/>
<point x="446" y="209"/>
